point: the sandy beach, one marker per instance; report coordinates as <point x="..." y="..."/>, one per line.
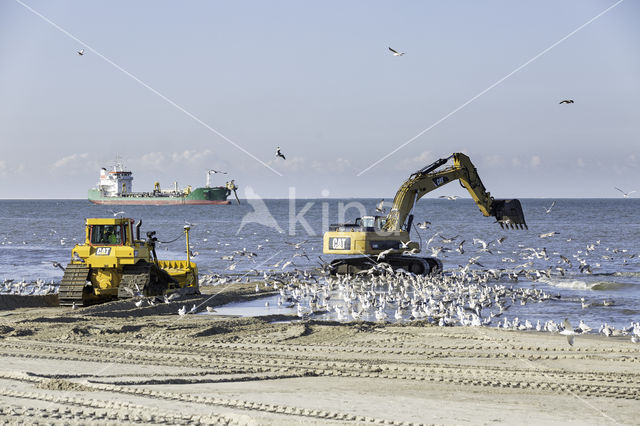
<point x="119" y="364"/>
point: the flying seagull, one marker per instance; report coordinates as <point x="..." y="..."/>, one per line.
<point x="568" y="331"/>
<point x="380" y="206"/>
<point x="567" y="101"/>
<point x="279" y="154"/>
<point x="81" y="52"/>
<point x="548" y="210"/>
<point x="449" y="197"/>
<point x="625" y="194"/>
<point x="58" y="265"/>
<point x="396" y="53"/>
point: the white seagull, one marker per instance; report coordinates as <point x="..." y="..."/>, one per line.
<point x="625" y="194"/>
<point x="548" y="210"/>
<point x="380" y="206"/>
<point x="450" y="197"/>
<point x="568" y="331"/>
<point x="279" y="154"/>
<point x="396" y="53"/>
<point x="81" y="52"/>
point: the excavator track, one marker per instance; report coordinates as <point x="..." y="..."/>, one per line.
<point x="416" y="265"/>
<point x="72" y="285"/>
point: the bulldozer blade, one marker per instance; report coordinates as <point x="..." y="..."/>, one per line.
<point x="509" y="213"/>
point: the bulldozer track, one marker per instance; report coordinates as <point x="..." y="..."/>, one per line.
<point x="72" y="284"/>
<point x="136" y="279"/>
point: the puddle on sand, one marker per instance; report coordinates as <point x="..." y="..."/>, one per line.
<point x="254" y="308"/>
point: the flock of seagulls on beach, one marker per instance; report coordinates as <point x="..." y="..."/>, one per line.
<point x="465" y="296"/>
<point x="470" y="295"/>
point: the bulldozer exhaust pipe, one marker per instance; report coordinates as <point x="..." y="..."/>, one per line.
<point x="508" y="213"/>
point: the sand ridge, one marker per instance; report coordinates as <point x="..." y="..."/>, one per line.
<point x="119" y="363"/>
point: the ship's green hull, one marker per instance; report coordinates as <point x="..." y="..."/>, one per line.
<point x="216" y="195"/>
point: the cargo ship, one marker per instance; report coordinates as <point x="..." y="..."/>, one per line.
<point x="116" y="187"/>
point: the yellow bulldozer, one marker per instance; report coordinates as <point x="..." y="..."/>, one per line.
<point x="386" y="238"/>
<point x="114" y="263"/>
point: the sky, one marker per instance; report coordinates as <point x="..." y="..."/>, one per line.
<point x="177" y="88"/>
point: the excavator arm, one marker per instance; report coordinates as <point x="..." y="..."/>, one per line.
<point x="507" y="212"/>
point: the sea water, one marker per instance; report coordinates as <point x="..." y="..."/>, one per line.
<point x="604" y="233"/>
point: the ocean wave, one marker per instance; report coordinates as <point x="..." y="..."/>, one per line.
<point x="584" y="285"/>
<point x="626" y="274"/>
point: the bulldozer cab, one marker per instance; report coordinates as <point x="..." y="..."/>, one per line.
<point x="115" y="232"/>
<point x="106" y="234"/>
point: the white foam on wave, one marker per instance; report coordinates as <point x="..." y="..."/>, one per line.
<point x="584" y="285"/>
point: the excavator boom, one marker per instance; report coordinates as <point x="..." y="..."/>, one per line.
<point x="507" y="212"/>
<point x="386" y="239"/>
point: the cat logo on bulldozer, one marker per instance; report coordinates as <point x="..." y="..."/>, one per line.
<point x="103" y="251"/>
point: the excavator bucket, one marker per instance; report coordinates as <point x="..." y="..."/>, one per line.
<point x="509" y="214"/>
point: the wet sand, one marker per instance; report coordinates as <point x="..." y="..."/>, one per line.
<point x="119" y="364"/>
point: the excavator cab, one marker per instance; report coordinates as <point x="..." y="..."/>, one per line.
<point x="370" y="223"/>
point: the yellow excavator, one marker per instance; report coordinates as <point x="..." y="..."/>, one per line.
<point x="386" y="239"/>
<point x="114" y="263"/>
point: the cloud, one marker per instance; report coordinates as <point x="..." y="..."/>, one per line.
<point x="493" y="160"/>
<point x="339" y="165"/>
<point x="191" y="155"/>
<point x="153" y="159"/>
<point x="415" y="162"/>
<point x="291" y="164"/>
<point x="71" y="160"/>
<point x="535" y="161"/>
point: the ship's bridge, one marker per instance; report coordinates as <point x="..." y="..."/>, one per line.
<point x="116" y="182"/>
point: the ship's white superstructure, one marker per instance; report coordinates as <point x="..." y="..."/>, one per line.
<point x="116" y="182"/>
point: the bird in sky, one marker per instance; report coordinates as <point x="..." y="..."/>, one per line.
<point x="81" y="52"/>
<point x="566" y="101"/>
<point x="548" y="210"/>
<point x="279" y="154"/>
<point x="115" y="213"/>
<point x="424" y="225"/>
<point x="396" y="53"/>
<point x="625" y="194"/>
<point x="380" y="206"/>
<point x="450" y="197"/>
